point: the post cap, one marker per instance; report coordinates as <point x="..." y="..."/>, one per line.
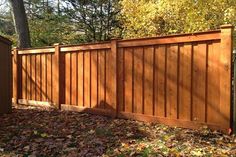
<point x="56" y="44"/>
<point x="226" y="26"/>
<point x="14" y="48"/>
<point x="116" y="38"/>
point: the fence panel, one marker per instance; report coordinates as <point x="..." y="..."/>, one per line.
<point x="176" y="80"/>
<point x="35" y="76"/>
<point x="90" y="80"/>
<point x="182" y="80"/>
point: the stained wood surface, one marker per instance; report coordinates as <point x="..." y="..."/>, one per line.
<point x="128" y="72"/>
<point x="199" y="82"/>
<point x="138" y="80"/>
<point x="171" y="81"/>
<point x="185" y="79"/>
<point x="160" y="86"/>
<point x="185" y="68"/>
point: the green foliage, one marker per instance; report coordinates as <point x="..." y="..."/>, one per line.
<point x="77" y="21"/>
<point x="191" y="15"/>
<point x="6" y="23"/>
<point x="71" y="21"/>
<point x="52" y="29"/>
<point x="48" y="24"/>
<point x="137" y="17"/>
<point x="97" y="19"/>
<point x="150" y="17"/>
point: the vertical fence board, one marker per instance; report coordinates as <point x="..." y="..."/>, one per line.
<point x="68" y="77"/>
<point x="160" y="81"/>
<point x="80" y="78"/>
<point x="87" y="79"/>
<point x="94" y="80"/>
<point x="213" y="91"/>
<point x="128" y="79"/>
<point x="171" y="84"/>
<point x="120" y="79"/>
<point x="28" y="74"/>
<point x="49" y="78"/>
<point x="148" y="80"/>
<point x="110" y="93"/>
<point x="73" y="79"/>
<point x="185" y="81"/>
<point x="138" y="75"/>
<point x="108" y="80"/>
<point x="43" y="71"/>
<point x="199" y="79"/>
<point x="19" y="75"/>
<point x="38" y="77"/>
<point x="23" y="77"/>
<point x="33" y="77"/>
<point x="101" y="78"/>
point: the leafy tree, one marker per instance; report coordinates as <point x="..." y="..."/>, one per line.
<point x="76" y="21"/>
<point x="6" y="22"/>
<point x="137" y="18"/>
<point x="47" y="24"/>
<point x="95" y="20"/>
<point x="196" y="15"/>
<point x="150" y="17"/>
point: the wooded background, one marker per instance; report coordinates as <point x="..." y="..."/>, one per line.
<point x="78" y="21"/>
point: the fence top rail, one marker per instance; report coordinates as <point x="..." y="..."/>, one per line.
<point x="36" y="50"/>
<point x="65" y="48"/>
<point x="171" y="39"/>
<point x="174" y="35"/>
<point x="87" y="46"/>
<point x="5" y="40"/>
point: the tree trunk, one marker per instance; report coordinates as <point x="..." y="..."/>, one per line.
<point x="21" y="23"/>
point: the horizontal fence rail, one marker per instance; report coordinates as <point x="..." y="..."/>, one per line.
<point x="181" y="80"/>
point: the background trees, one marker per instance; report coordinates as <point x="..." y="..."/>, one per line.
<point x="76" y="21"/>
<point x="95" y="20"/>
<point x="151" y="17"/>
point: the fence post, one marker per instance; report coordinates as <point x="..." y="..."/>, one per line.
<point x="114" y="73"/>
<point x="226" y="75"/>
<point x="56" y="76"/>
<point x="234" y="94"/>
<point x="15" y="75"/>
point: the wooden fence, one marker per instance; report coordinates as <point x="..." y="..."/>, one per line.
<point x="182" y="80"/>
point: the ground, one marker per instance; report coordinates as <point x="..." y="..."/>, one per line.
<point x="31" y="131"/>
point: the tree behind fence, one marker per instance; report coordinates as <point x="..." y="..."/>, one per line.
<point x="182" y="80"/>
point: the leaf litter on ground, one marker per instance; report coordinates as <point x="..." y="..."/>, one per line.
<point x="34" y="131"/>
